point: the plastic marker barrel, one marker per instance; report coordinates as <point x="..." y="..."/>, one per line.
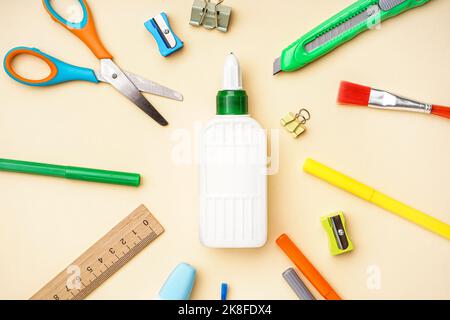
<point x="367" y="193"/>
<point x="68" y="172"/>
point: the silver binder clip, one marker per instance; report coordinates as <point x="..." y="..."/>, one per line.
<point x="212" y="15"/>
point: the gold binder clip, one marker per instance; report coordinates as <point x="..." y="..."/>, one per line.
<point x="295" y="123"/>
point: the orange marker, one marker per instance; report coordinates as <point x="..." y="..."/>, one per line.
<point x="303" y="264"/>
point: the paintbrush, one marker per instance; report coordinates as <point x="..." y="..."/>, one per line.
<point x="358" y="95"/>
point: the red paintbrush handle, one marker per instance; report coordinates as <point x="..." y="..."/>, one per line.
<point x="441" y="111"/>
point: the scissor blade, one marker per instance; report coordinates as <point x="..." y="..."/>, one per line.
<point x="112" y="74"/>
<point x="148" y="86"/>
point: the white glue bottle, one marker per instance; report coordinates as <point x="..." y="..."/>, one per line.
<point x="233" y="170"/>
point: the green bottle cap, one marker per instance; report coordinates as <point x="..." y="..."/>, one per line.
<point x="232" y="102"/>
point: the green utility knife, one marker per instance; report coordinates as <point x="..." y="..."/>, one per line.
<point x="360" y="16"/>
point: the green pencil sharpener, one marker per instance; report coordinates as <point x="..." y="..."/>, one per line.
<point x="336" y="229"/>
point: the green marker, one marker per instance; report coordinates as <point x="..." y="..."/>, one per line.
<point x="347" y="24"/>
<point x="74" y="173"/>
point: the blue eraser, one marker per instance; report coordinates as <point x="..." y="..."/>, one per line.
<point x="179" y="284"/>
<point x="167" y="40"/>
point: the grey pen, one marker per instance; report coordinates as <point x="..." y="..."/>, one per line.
<point x="294" y="281"/>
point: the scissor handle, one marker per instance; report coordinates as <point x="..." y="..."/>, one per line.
<point x="85" y="30"/>
<point x="59" y="71"/>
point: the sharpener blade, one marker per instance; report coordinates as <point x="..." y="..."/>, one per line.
<point x="339" y="232"/>
<point x="164" y="31"/>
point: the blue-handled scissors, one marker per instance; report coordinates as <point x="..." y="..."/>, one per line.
<point x="127" y="83"/>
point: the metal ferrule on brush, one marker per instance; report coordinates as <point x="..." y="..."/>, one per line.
<point x="384" y="100"/>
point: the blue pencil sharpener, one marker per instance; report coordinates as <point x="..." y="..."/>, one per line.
<point x="167" y="40"/>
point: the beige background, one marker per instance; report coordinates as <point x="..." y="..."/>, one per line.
<point x="46" y="223"/>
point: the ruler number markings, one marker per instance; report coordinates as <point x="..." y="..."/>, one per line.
<point x="102" y="260"/>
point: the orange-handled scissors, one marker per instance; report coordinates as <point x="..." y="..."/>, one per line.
<point x="128" y="84"/>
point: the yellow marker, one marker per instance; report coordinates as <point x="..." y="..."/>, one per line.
<point x="367" y="193"/>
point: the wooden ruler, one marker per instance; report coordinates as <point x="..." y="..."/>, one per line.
<point x="104" y="258"/>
